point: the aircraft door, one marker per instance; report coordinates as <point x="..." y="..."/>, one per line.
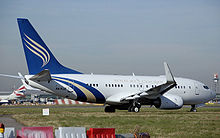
<point x="196" y="88"/>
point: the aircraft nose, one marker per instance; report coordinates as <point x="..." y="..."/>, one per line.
<point x="213" y="94"/>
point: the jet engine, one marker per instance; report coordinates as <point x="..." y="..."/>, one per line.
<point x="169" y="101"/>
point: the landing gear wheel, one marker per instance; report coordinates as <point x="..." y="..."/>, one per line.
<point x="109" y="109"/>
<point x="193" y="108"/>
<point x="135" y="107"/>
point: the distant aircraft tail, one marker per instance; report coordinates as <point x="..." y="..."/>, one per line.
<point x="20" y="91"/>
<point x="38" y="55"/>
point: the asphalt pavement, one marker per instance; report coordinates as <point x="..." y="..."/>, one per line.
<point x="8" y="121"/>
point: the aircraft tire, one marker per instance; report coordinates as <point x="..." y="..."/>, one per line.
<point x="193" y="109"/>
<point x="109" y="109"/>
<point x="136" y="109"/>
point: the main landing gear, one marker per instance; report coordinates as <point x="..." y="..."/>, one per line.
<point x="134" y="107"/>
<point x="193" y="108"/>
<point x="109" y="109"/>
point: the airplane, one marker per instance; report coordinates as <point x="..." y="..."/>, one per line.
<point x="17" y="94"/>
<point x="115" y="91"/>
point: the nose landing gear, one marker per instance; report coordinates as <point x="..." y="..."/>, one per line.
<point x="134" y="107"/>
<point x="193" y="108"/>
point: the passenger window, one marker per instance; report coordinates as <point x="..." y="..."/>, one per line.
<point x="121" y="85"/>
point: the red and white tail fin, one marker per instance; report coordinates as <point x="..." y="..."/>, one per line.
<point x="20" y="92"/>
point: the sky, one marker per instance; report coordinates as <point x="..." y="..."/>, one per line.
<point x="116" y="36"/>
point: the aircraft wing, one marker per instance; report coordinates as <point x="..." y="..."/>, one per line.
<point x="152" y="93"/>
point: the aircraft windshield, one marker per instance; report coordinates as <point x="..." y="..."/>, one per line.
<point x="206" y="87"/>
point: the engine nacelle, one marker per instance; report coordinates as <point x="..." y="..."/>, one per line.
<point x="169" y="101"/>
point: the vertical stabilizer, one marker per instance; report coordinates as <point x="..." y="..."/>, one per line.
<point x="38" y="55"/>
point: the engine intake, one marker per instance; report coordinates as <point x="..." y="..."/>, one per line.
<point x="169" y="101"/>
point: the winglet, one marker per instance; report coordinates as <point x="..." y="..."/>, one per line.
<point x="169" y="75"/>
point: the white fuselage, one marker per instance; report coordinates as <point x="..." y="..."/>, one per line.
<point x="70" y="86"/>
<point x="7" y="98"/>
<point x="12" y="96"/>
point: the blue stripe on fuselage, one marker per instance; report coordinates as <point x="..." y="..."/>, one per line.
<point x="80" y="95"/>
<point x="98" y="95"/>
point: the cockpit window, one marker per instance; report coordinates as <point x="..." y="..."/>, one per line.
<point x="206" y="87"/>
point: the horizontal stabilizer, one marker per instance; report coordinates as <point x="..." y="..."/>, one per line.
<point x="25" y="82"/>
<point x="42" y="76"/>
<point x="11" y="76"/>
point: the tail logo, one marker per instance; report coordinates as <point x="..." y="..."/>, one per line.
<point x="37" y="49"/>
